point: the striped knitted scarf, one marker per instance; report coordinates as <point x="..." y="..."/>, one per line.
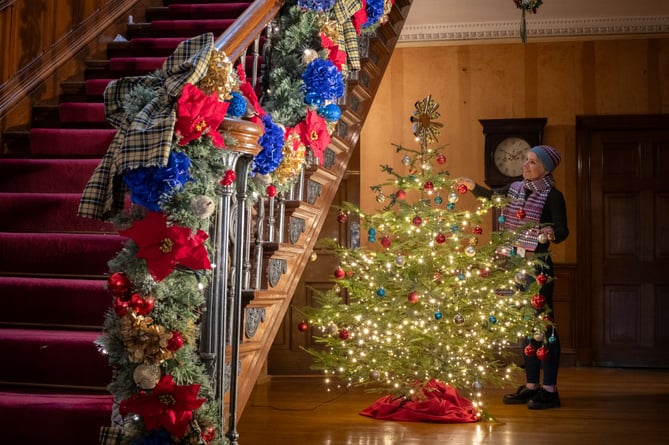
<point x="523" y="209"/>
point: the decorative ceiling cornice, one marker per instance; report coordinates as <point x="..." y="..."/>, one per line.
<point x="557" y="28"/>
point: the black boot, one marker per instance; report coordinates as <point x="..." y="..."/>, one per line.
<point x="522" y="395"/>
<point x="545" y="400"/>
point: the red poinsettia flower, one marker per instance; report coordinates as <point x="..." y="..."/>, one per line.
<point x="360" y="17"/>
<point x="199" y="114"/>
<point x="169" y="406"/>
<point x="314" y="133"/>
<point x="249" y="93"/>
<point x="163" y="246"/>
<point x="335" y="55"/>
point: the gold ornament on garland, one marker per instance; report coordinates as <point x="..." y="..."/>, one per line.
<point x="221" y="77"/>
<point x="294" y="154"/>
<point x="526" y="5"/>
<point x="144" y="342"/>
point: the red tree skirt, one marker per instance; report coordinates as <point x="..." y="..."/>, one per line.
<point x="441" y="403"/>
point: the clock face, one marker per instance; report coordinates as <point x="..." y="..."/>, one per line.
<point x="509" y="156"/>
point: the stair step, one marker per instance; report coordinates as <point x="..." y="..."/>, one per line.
<point x="90" y="90"/>
<point x="144" y="46"/>
<point x="53" y="417"/>
<point x="50" y="254"/>
<point x="178" y="28"/>
<point x="182" y="11"/>
<point x="45" y="175"/>
<point x="70" y="115"/>
<point x="46" y="212"/>
<point x="74" y="142"/>
<point x="53" y="301"/>
<point x="53" y="357"/>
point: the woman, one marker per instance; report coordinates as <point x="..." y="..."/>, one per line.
<point x="535" y="199"/>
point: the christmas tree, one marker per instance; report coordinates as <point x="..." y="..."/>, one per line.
<point x="429" y="297"/>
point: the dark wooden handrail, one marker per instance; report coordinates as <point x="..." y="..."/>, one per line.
<point x="234" y="41"/>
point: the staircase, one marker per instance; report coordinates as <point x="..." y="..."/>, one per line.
<point x="53" y="264"/>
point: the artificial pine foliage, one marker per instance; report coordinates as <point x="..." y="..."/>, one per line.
<point x="428" y="296"/>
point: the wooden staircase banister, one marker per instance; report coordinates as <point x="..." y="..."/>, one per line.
<point x="237" y="38"/>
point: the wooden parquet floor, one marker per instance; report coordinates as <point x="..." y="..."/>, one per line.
<point x="600" y="406"/>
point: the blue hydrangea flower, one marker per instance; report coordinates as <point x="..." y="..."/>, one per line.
<point x="237" y="106"/>
<point x="316" y="5"/>
<point x="150" y="186"/>
<point x="271" y="142"/>
<point x="374" y="11"/>
<point x="323" y="79"/>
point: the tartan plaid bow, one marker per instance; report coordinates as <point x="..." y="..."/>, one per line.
<point x="144" y="139"/>
<point x="348" y="38"/>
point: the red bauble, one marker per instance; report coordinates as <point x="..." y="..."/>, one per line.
<point x="413" y="297"/>
<point x="441" y="159"/>
<point x="208" y="434"/>
<point x="483" y="273"/>
<point x="428" y="185"/>
<point x="120" y="307"/>
<point x="542" y="279"/>
<point x="538" y="301"/>
<point x="342" y="218"/>
<point x="176" y="341"/>
<point x="401" y="194"/>
<point x="339" y="273"/>
<point x="141" y="306"/>
<point x="477" y="230"/>
<point x="349" y="273"/>
<point x="271" y="190"/>
<point x="302" y="326"/>
<point x="542" y="353"/>
<point x="119" y="285"/>
<point x="417" y="221"/>
<point x="530" y="350"/>
<point x="520" y="214"/>
<point x="344" y="334"/>
<point x="440" y="238"/>
<point x="386" y="242"/>
<point x="462" y="189"/>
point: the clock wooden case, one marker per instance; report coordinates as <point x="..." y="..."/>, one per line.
<point x="506" y="144"/>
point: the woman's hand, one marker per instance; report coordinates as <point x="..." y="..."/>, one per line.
<point x="469" y="183"/>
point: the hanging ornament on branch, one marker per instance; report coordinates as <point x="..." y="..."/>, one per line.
<point x="526" y="6"/>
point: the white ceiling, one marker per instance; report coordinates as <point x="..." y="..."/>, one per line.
<point x="457" y="20"/>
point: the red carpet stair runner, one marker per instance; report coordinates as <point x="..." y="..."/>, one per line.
<point x="53" y="263"/>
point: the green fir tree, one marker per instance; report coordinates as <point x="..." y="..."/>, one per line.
<point x="429" y="296"/>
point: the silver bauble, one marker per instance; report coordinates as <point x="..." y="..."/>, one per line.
<point x="146" y="376"/>
<point x="542" y="238"/>
<point x="202" y="206"/>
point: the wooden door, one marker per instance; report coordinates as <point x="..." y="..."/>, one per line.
<point x="625" y="231"/>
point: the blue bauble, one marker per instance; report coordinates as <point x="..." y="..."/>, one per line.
<point x="450" y="206"/>
<point x="381" y="292"/>
<point x="492" y="319"/>
<point x="438" y="200"/>
<point x="313" y="99"/>
<point x="461" y="277"/>
<point x="330" y="112"/>
<point x="438" y="315"/>
<point x="371" y="231"/>
<point x="501" y="219"/>
<point x="454" y="228"/>
<point x="552" y="339"/>
<point x="371" y="239"/>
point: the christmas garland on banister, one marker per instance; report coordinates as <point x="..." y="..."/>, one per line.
<point x="174" y="178"/>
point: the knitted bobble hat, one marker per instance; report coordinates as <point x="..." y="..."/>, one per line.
<point x="549" y="157"/>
